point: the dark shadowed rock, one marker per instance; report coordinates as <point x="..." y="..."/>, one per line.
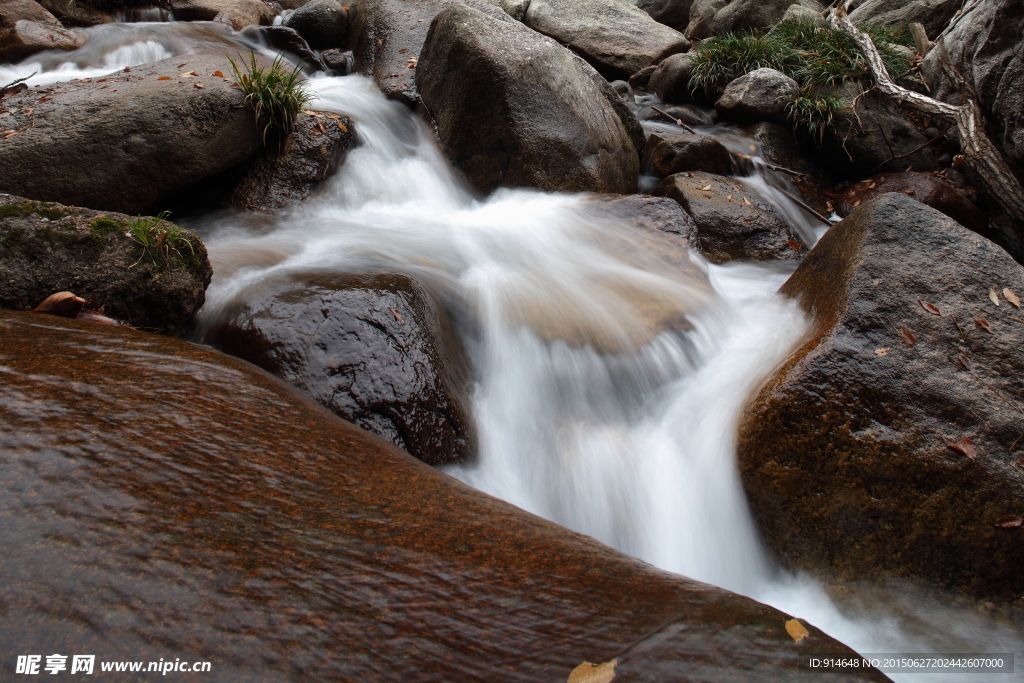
<point x="47" y="248"/>
<point x="885" y="444"/>
<point x="732" y="222"/>
<point x="779" y="146"/>
<point x="674" y="13"/>
<point x="24" y="38"/>
<point x="237" y="13"/>
<point x="741" y="15"/>
<point x="288" y="40"/>
<point x="130" y="142"/>
<point x="375" y="349"/>
<point x="514" y="108"/>
<point x="691" y="153"/>
<point x="642" y="77"/>
<point x="314" y="150"/>
<point x="76" y="12"/>
<point x="702" y="14"/>
<point x="217" y="514"/>
<point x="761" y="95"/>
<point x="614" y="36"/>
<point x="934" y="14"/>
<point x="671" y="80"/>
<point x="323" y="23"/>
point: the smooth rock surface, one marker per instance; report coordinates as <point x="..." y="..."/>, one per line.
<point x="323" y="23"/>
<point x="760" y="95"/>
<point x="24" y="38"/>
<point x="886" y="444"/>
<point x="671" y="80"/>
<point x="238" y="13"/>
<point x="691" y="153"/>
<point x="162" y="500"/>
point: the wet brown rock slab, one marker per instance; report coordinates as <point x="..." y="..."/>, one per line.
<point x="163" y="500"/>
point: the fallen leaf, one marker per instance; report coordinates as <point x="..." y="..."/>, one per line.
<point x="794" y="245"/>
<point x="747" y="201"/>
<point x="930" y="308"/>
<point x="219" y="74"/>
<point x="398" y="316"/>
<point x="42" y="99"/>
<point x="908" y="336"/>
<point x="188" y="74"/>
<point x="729" y="197"/>
<point x="9" y="134"/>
<point x="993" y="295"/>
<point x="341" y="125"/>
<point x="164" y="78"/>
<point x="1011" y="297"/>
<point x="1009" y="522"/>
<point x="199" y="85"/>
<point x="982" y="324"/>
<point x="593" y="673"/>
<point x="64" y="304"/>
<point x="962" y="445"/>
<point x="882" y="352"/>
<point x="796" y="630"/>
<point x="403" y="51"/>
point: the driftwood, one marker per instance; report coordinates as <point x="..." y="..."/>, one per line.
<point x="979" y="153"/>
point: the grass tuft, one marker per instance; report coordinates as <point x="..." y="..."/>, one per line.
<point x="276" y="94"/>
<point x="158" y="237"/>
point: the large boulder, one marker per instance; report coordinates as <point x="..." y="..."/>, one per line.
<point x="164" y="501"/>
<point x="740" y="15"/>
<point x="143" y="271"/>
<point x="13" y="11"/>
<point x="313" y="151"/>
<point x="514" y="108"/>
<point x="614" y="36"/>
<point x="760" y="95"/>
<point x="129" y="141"/>
<point x="323" y="23"/>
<point x="24" y="38"/>
<point x="887" y="444"/>
<point x="670" y="81"/>
<point x="732" y="221"/>
<point x="934" y="14"/>
<point x="985" y="46"/>
<point x="375" y="349"/>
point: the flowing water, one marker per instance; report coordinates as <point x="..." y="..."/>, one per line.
<point x="610" y="372"/>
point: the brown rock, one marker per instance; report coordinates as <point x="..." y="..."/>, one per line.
<point x="24" y="38"/>
<point x="237" y="13"/>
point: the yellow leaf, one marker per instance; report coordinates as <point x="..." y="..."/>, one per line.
<point x="1011" y="297"/>
<point x="593" y="673"/>
<point x="796" y="630"/>
<point x="882" y="352"/>
<point x="993" y="295"/>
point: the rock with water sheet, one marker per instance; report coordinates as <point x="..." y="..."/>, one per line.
<point x="889" y="443"/>
<point x="162" y="500"/>
<point x="515" y="108"/>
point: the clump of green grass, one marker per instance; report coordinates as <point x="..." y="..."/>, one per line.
<point x="816" y="114"/>
<point x="158" y="237"/>
<point x="276" y="94"/>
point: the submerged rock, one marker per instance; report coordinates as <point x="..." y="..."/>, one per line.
<point x="162" y="500"/>
<point x="375" y="349"/>
<point x="514" y="108"/>
<point x="887" y="444"/>
<point x="47" y="248"/>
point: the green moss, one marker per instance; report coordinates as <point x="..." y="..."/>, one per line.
<point x="51" y="211"/>
<point x="18" y="210"/>
<point x="103" y="226"/>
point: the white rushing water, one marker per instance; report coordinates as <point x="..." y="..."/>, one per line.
<point x="611" y="368"/>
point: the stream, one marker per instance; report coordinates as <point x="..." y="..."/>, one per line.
<point x="591" y="410"/>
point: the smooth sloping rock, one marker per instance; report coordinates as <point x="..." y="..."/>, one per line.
<point x="238" y="13"/>
<point x="313" y="151"/>
<point x="24" y="38"/>
<point x="514" y="108"/>
<point x="615" y="37"/>
<point x="12" y="11"/>
<point x="375" y="349"/>
<point x="162" y="500"/>
<point x="47" y="248"/>
<point x="934" y="14"/>
<point x="760" y="95"/>
<point x="129" y="142"/>
<point x="985" y="46"/>
<point x="885" y="445"/>
<point x="691" y="153"/>
<point x="732" y="222"/>
<point x="323" y="23"/>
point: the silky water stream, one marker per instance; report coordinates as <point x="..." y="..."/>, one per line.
<point x="610" y="371"/>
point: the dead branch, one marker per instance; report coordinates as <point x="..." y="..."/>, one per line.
<point x="979" y="153"/>
<point x="14" y="85"/>
<point x="674" y="120"/>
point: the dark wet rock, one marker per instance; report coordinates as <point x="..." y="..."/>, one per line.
<point x="732" y="221"/>
<point x="934" y="14"/>
<point x="514" y="108"/>
<point x="867" y="139"/>
<point x="741" y="15"/>
<point x="885" y="444"/>
<point x="761" y="95"/>
<point x="13" y="11"/>
<point x="76" y="12"/>
<point x="47" y="248"/>
<point x="691" y="153"/>
<point x="623" y="89"/>
<point x="130" y="141"/>
<point x="375" y="349"/>
<point x="691" y="115"/>
<point x="323" y="23"/>
<point x="642" y="77"/>
<point x="180" y="503"/>
<point x="779" y="146"/>
<point x="985" y="46"/>
<point x="702" y="14"/>
<point x="614" y="36"/>
<point x="658" y="216"/>
<point x="671" y="80"/>
<point x="926" y="188"/>
<point x="237" y="13"/>
<point x="314" y="150"/>
<point x="337" y="60"/>
<point x="24" y="38"/>
<point x="674" y="13"/>
<point x="288" y="40"/>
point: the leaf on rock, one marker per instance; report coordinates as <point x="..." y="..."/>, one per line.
<point x="344" y="128"/>
<point x="593" y="673"/>
<point x="993" y="295"/>
<point x="188" y="74"/>
<point x="929" y="307"/>
<point x="398" y="316"/>
<point x="1011" y="297"/>
<point x="908" y="336"/>
<point x="963" y="445"/>
<point x="982" y="324"/>
<point x="219" y="74"/>
<point x="796" y="630"/>
<point x="1009" y="522"/>
<point x="199" y="85"/>
<point x="164" y="78"/>
<point x="64" y="304"/>
<point x="794" y="245"/>
<point x="882" y="352"/>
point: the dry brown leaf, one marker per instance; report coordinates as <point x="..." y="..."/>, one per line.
<point x="982" y="324"/>
<point x="219" y="74"/>
<point x="164" y="78"/>
<point x="1009" y="522"/>
<point x="593" y="673"/>
<point x="1011" y="297"/>
<point x="882" y="352"/>
<point x="64" y="304"/>
<point x="794" y="245"/>
<point x="908" y="336"/>
<point x="398" y="316"/>
<point x="747" y="201"/>
<point x="993" y="295"/>
<point x="796" y="630"/>
<point x="344" y="128"/>
<point x="930" y="308"/>
<point x="963" y="445"/>
<point x="199" y="85"/>
<point x="188" y="74"/>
